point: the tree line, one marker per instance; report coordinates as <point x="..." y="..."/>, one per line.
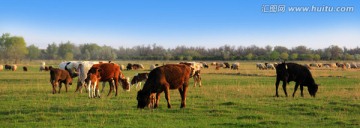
<point x="13" y="49"/>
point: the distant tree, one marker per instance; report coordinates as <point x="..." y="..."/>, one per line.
<point x="316" y="57"/>
<point x="52" y="51"/>
<point x="249" y="56"/>
<point x="294" y="56"/>
<point x="13" y="47"/>
<point x="281" y="49"/>
<point x="274" y="55"/>
<point x="34" y="52"/>
<point x="66" y="50"/>
<point x="284" y="56"/>
<point x="349" y="57"/>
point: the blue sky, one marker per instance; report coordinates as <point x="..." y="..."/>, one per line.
<point x="170" y="23"/>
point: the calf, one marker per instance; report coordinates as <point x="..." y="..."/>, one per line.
<point x="197" y="78"/>
<point x="287" y="72"/>
<point x="59" y="76"/>
<point x="138" y="78"/>
<point x="93" y="86"/>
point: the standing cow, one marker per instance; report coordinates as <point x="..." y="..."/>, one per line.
<point x="138" y="78"/>
<point x="59" y="76"/>
<point x="162" y="79"/>
<point x="287" y="72"/>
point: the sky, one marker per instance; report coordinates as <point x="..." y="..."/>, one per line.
<point x="171" y="23"/>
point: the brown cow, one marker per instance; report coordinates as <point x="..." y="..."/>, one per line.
<point x="59" y="76"/>
<point x="110" y="72"/>
<point x="138" y="78"/>
<point x="164" y="78"/>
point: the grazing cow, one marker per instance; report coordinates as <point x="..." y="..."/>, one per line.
<point x="269" y="66"/>
<point x="13" y="67"/>
<point x="129" y="66"/>
<point x="352" y="65"/>
<point x="7" y="67"/>
<point x="314" y="65"/>
<point x="197" y="78"/>
<point x="138" y="78"/>
<point x="235" y="66"/>
<point x="205" y="65"/>
<point x="110" y="72"/>
<point x="1" y="67"/>
<point x="25" y="69"/>
<point x="227" y="65"/>
<point x="122" y="67"/>
<point x="287" y="72"/>
<point x="260" y="66"/>
<point x="137" y="66"/>
<point x="164" y="78"/>
<point x="93" y="87"/>
<point x="47" y="68"/>
<point x="59" y="76"/>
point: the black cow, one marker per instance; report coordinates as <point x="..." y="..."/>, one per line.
<point x="129" y="66"/>
<point x="227" y="65"/>
<point x="287" y="72"/>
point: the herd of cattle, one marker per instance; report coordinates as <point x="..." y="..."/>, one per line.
<point x="167" y="76"/>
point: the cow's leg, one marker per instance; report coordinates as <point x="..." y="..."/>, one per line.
<point x="89" y="89"/>
<point x="167" y="96"/>
<point x="199" y="81"/>
<point x="194" y="82"/>
<point x="301" y="89"/>
<point x="111" y="87"/>
<point x="284" y="87"/>
<point x="60" y="84"/>
<point x="183" y="96"/>
<point x="54" y="86"/>
<point x="66" y="87"/>
<point x="116" y="86"/>
<point x="103" y="86"/>
<point x="157" y="100"/>
<point x="295" y="88"/>
<point x="277" y="86"/>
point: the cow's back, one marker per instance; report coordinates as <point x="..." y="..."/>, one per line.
<point x="173" y="74"/>
<point x="109" y="70"/>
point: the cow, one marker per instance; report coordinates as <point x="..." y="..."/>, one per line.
<point x="42" y="66"/>
<point x="59" y="76"/>
<point x="1" y="67"/>
<point x="138" y="78"/>
<point x="13" y="67"/>
<point x="110" y="72"/>
<point x="197" y="78"/>
<point x="269" y="66"/>
<point x="7" y="67"/>
<point x="204" y="64"/>
<point x="122" y="67"/>
<point x="162" y="79"/>
<point x="260" y="66"/>
<point x="137" y="66"/>
<point x="47" y="68"/>
<point x="235" y="66"/>
<point x="227" y="65"/>
<point x="129" y="66"/>
<point x="287" y="72"/>
<point x="25" y="69"/>
<point x="93" y="87"/>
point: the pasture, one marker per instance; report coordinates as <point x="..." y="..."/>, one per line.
<point x="228" y="98"/>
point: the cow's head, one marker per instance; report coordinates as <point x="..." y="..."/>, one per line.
<point x="143" y="99"/>
<point x="125" y="82"/>
<point x="313" y="89"/>
<point x="134" y="80"/>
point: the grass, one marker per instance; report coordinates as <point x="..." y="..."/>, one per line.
<point x="242" y="98"/>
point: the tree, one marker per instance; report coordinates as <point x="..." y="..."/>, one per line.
<point x="284" y="56"/>
<point x="34" y="52"/>
<point x="13" y="47"/>
<point x="294" y="56"/>
<point x="66" y="50"/>
<point x="52" y="51"/>
<point x="249" y="56"/>
<point x="274" y="55"/>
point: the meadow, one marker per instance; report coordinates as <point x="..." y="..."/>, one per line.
<point x="228" y="98"/>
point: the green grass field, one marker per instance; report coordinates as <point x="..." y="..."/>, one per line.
<point x="242" y="98"/>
